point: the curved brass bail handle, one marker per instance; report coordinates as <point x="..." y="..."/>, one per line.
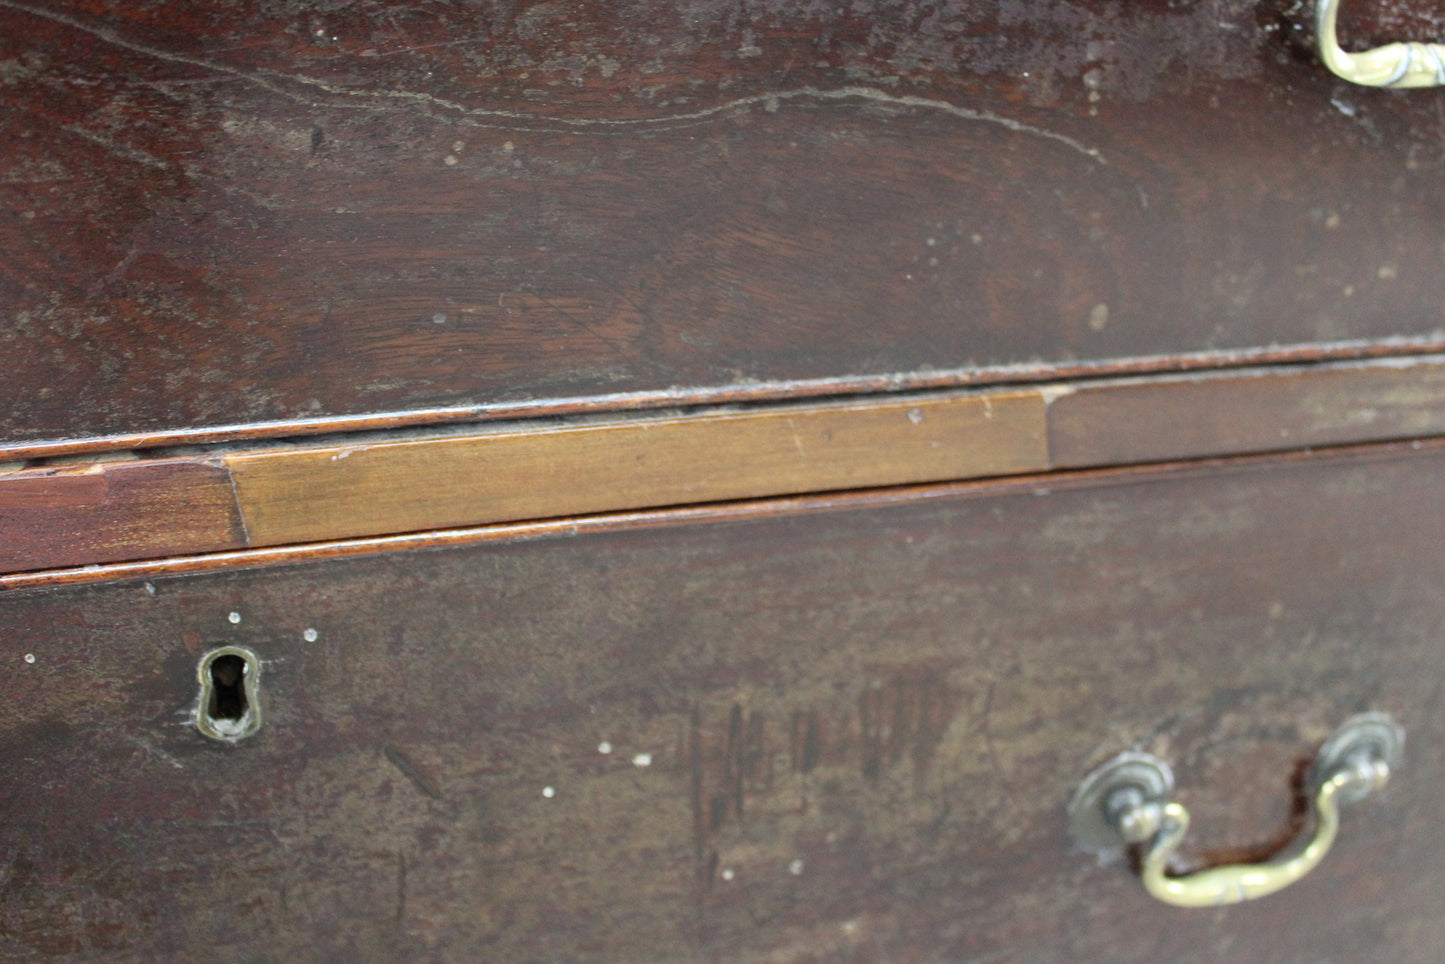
<point x="1236" y="883"/>
<point x="1129" y="801"/>
<point x="1393" y="65"/>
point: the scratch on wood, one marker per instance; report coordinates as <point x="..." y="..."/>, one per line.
<point x="806" y="744"/>
<point x="413" y="771"/>
<point x="400" y="887"/>
<point x="236" y="506"/>
<point x="158" y="753"/>
<point x="120" y="150"/>
<point x="704" y="861"/>
<point x="515" y="120"/>
<point x="797" y="439"/>
<point x="905" y="717"/>
<point x="988" y="733"/>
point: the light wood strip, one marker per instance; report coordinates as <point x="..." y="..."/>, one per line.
<point x="749" y="510"/>
<point x="314" y="494"/>
<point x="112" y="509"/>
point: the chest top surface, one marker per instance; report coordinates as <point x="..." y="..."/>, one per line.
<point x="263" y="214"/>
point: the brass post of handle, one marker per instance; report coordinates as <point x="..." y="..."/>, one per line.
<point x="1393" y="65"/>
<point x="1128" y="802"/>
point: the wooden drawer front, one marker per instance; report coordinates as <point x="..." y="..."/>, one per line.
<point x="849" y="734"/>
<point x="220" y="216"/>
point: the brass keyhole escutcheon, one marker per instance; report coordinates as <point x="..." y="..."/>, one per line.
<point x="228" y="708"/>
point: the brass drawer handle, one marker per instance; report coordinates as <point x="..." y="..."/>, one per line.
<point x="1393" y="65"/>
<point x="1127" y="801"/>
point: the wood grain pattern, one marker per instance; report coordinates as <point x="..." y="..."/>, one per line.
<point x="860" y="731"/>
<point x="332" y="492"/>
<point x="364" y="485"/>
<point x="111" y="511"/>
<point x="251" y="217"/>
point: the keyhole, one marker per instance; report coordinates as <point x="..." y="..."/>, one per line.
<point x="228" y="696"/>
<point x="228" y="709"/>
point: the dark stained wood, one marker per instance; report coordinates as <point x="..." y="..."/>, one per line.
<point x="750" y="393"/>
<point x="859" y="729"/>
<point x="112" y="511"/>
<point x="222" y="219"/>
<point x="1148" y="420"/>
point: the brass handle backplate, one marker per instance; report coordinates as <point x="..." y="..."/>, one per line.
<point x="1393" y="65"/>
<point x="1128" y="802"/>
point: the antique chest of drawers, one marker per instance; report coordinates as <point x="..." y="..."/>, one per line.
<point x="669" y="480"/>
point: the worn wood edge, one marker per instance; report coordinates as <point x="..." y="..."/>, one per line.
<point x="1041" y="484"/>
<point x="981" y="377"/>
<point x="113" y="510"/>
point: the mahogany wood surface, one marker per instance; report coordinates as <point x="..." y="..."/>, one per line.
<point x="69" y="515"/>
<point x="253" y="217"/>
<point x="843" y="736"/>
<point x="77" y="512"/>
<point x="720" y="512"/>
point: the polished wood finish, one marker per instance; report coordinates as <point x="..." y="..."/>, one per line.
<point x="110" y="511"/>
<point x="331" y="492"/>
<point x="365" y="485"/>
<point x="1228" y="413"/>
<point x="848" y="735"/>
<point x="254" y="218"/>
<point x="744" y="511"/>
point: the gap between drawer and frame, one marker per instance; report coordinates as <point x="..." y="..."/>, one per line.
<point x="359" y="488"/>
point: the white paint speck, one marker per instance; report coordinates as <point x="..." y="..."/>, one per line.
<point x="642" y="760"/>
<point x="1099" y="317"/>
<point x="450" y="160"/>
<point x="549" y="792"/>
<point x="604" y="747"/>
<point x="234" y="618"/>
<point x="931" y="242"/>
<point x="440" y="318"/>
<point x="30" y="657"/>
<point x="150" y="589"/>
<point x="1388" y="272"/>
<point x="795" y="868"/>
<point x="509" y="147"/>
<point x="976" y="238"/>
<point x="728" y="874"/>
<point x="310" y="635"/>
<point x="915" y="415"/>
<point x="457" y="147"/>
